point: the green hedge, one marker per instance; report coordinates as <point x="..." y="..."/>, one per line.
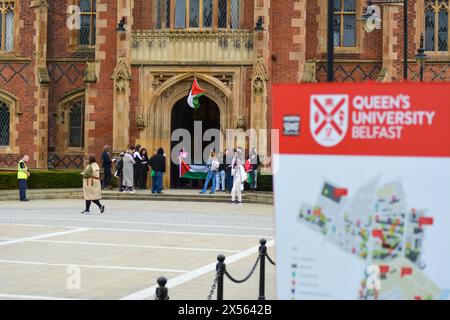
<point x="52" y="179"/>
<point x="265" y="183"/>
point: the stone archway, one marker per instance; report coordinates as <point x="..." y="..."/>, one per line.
<point x="158" y="115"/>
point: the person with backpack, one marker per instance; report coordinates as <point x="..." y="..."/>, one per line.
<point x="213" y="167"/>
<point x="92" y="188"/>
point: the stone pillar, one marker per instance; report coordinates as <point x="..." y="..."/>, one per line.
<point x="390" y="70"/>
<point x="122" y="77"/>
<point x="40" y="123"/>
<point x="259" y="114"/>
<point x="299" y="39"/>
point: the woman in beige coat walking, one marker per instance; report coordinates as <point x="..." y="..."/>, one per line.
<point x="92" y="188"/>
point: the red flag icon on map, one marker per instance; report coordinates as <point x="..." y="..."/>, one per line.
<point x="384" y="268"/>
<point x="377" y="233"/>
<point x="340" y="192"/>
<point x="425" y="221"/>
<point x="406" y="272"/>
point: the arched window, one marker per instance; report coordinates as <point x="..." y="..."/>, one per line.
<point x="7" y="25"/>
<point x="76" y="124"/>
<point x="436" y="25"/>
<point x="87" y="22"/>
<point x="4" y="124"/>
<point x="198" y="14"/>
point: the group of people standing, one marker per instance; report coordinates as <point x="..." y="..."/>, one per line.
<point x="133" y="167"/>
<point x="228" y="172"/>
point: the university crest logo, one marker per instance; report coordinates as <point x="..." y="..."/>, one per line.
<point x="329" y="118"/>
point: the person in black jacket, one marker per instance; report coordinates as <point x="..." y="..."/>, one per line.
<point x="158" y="164"/>
<point x="142" y="182"/>
<point x="106" y="164"/>
<point x="137" y="168"/>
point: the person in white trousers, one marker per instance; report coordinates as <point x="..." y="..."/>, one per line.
<point x="239" y="174"/>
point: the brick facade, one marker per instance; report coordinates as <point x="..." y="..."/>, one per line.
<point x="292" y="48"/>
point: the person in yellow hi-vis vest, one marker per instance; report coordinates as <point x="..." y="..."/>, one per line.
<point x="22" y="176"/>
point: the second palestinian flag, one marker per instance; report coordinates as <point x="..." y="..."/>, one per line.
<point x="192" y="171"/>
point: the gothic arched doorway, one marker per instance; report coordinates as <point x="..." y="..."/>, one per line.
<point x="207" y="116"/>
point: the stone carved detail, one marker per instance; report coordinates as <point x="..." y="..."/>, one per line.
<point x="259" y="77"/>
<point x="240" y="123"/>
<point x="121" y="75"/>
<point x="89" y="72"/>
<point x="140" y="122"/>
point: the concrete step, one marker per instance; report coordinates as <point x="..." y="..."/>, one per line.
<point x="171" y="195"/>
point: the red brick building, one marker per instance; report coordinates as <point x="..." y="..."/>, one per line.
<point x="73" y="80"/>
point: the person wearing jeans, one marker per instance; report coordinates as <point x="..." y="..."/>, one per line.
<point x="22" y="176"/>
<point x="158" y="164"/>
<point x="220" y="175"/>
<point x="157" y="182"/>
<point x="213" y="167"/>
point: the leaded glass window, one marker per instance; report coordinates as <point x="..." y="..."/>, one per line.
<point x="344" y="23"/>
<point x="234" y="12"/>
<point x="223" y="9"/>
<point x="76" y="124"/>
<point x="180" y="14"/>
<point x="7" y="25"/>
<point x="87" y="22"/>
<point x="194" y="9"/>
<point x="4" y="124"/>
<point x="436" y="25"/>
<point x="162" y="14"/>
<point x="222" y="14"/>
<point x="207" y="13"/>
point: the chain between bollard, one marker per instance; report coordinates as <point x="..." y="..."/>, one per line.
<point x="213" y="287"/>
<point x="270" y="260"/>
<point x="247" y="277"/>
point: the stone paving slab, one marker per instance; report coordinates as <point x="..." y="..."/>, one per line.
<point x="109" y="252"/>
<point x="51" y="281"/>
<point x="10" y="232"/>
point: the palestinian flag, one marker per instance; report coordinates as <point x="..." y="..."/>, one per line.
<point x="194" y="95"/>
<point x="190" y="171"/>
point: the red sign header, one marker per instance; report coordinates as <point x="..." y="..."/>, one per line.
<point x="379" y="119"/>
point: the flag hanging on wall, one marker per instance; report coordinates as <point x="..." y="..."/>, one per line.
<point x="194" y="95"/>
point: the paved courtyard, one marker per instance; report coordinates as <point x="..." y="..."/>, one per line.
<point x="45" y="244"/>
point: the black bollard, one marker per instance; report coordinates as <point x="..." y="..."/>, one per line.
<point x="262" y="268"/>
<point x="220" y="268"/>
<point x="162" y="293"/>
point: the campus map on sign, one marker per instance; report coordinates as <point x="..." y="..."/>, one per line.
<point x="363" y="217"/>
